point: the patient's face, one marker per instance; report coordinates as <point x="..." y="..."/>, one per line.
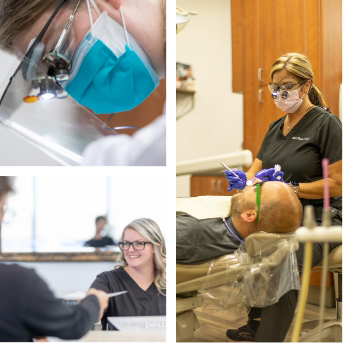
<point x="243" y="201"/>
<point x="138" y="258"/>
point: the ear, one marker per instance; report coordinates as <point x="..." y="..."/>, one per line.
<point x="249" y="216"/>
<point x="115" y="3"/>
<point x="307" y="86"/>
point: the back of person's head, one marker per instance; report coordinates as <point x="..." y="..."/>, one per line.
<point x="280" y="211"/>
<point x="6" y="185"/>
<point x="99" y="218"/>
<point x="300" y="67"/>
<point x="280" y="208"/>
<point x="152" y="233"/>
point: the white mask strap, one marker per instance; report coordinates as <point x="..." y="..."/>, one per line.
<point x="90" y="17"/>
<point x="123" y="19"/>
<point x="95" y="6"/>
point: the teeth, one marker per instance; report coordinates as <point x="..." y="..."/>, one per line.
<point x="133" y="256"/>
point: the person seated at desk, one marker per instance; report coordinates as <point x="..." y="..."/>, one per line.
<point x="198" y="241"/>
<point x="28" y="309"/>
<point x="99" y="241"/>
<point x="142" y="273"/>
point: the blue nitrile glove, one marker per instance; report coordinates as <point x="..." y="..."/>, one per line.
<point x="234" y="181"/>
<point x="270" y="175"/>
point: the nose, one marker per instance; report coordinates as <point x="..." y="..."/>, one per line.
<point x="131" y="248"/>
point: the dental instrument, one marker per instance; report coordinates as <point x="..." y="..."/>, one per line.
<point x="110" y="295"/>
<point x="229" y="169"/>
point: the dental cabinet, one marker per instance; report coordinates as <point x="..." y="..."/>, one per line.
<point x="262" y="31"/>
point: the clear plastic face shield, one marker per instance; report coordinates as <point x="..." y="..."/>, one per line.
<point x="33" y="104"/>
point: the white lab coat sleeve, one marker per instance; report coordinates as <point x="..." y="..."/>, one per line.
<point x="146" y="147"/>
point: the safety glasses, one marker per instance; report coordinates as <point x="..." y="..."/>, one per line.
<point x="275" y="89"/>
<point x="258" y="186"/>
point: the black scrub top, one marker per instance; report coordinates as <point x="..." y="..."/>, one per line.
<point x="136" y="302"/>
<point x="29" y="309"/>
<point x="317" y="135"/>
<point x="99" y="243"/>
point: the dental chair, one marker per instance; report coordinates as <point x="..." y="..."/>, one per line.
<point x="192" y="280"/>
<point x="332" y="328"/>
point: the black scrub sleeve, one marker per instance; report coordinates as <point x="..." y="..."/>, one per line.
<point x="102" y="283"/>
<point x="45" y="315"/>
<point x="330" y="138"/>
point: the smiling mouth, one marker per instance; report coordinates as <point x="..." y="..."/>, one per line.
<point x="133" y="256"/>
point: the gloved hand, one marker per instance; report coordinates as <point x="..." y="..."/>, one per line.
<point x="234" y="181"/>
<point x="270" y="175"/>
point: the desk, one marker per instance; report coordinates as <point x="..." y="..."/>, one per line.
<point x="125" y="336"/>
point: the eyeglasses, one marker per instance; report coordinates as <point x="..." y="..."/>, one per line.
<point x="137" y="245"/>
<point x="58" y="69"/>
<point x="275" y="89"/>
<point x="258" y="186"/>
<point x="61" y="55"/>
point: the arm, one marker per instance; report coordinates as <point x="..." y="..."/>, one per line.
<point x="255" y="167"/>
<point x="46" y="315"/>
<point x="315" y="190"/>
<point x="101" y="283"/>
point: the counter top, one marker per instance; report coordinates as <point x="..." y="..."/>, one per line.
<point x="95" y="256"/>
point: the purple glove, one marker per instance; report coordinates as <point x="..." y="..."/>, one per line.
<point x="234" y="181"/>
<point x="270" y="175"/>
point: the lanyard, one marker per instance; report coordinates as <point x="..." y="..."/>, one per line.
<point x="227" y="226"/>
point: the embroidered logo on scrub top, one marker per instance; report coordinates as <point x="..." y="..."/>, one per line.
<point x="301" y="139"/>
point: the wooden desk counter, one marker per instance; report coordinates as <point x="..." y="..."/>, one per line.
<point x="125" y="336"/>
<point x="96" y="256"/>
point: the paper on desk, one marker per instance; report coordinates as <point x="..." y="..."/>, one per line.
<point x="82" y="295"/>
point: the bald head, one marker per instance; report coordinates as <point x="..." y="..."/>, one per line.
<point x="280" y="212"/>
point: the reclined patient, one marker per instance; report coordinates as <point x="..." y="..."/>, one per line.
<point x="198" y="241"/>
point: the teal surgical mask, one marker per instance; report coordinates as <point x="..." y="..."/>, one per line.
<point x="110" y="72"/>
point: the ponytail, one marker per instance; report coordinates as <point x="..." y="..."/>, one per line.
<point x="316" y="97"/>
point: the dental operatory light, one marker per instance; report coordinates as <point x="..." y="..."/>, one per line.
<point x="182" y="18"/>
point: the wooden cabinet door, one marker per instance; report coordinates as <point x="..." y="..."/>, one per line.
<point x="209" y="185"/>
<point x="281" y="27"/>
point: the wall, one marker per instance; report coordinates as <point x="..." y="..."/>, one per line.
<point x="68" y="277"/>
<point x="215" y="125"/>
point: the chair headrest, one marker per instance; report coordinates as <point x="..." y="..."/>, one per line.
<point x="263" y="242"/>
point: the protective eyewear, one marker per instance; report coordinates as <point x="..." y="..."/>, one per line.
<point x="258" y="186"/>
<point x="30" y="72"/>
<point x="137" y="245"/>
<point x="275" y="89"/>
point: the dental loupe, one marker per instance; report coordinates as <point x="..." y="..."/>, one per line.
<point x="276" y="91"/>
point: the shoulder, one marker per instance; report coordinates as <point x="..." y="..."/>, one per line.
<point x="325" y="118"/>
<point x="114" y="273"/>
<point x="276" y="123"/>
<point x="14" y="272"/>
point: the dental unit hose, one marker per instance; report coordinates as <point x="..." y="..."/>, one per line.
<point x="310" y="223"/>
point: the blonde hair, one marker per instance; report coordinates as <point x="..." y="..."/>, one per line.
<point x="300" y="67"/>
<point x="152" y="233"/>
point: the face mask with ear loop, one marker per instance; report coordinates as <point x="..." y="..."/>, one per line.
<point x="110" y="72"/>
<point x="289" y="101"/>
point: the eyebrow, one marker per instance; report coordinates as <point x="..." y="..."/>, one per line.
<point x="293" y="80"/>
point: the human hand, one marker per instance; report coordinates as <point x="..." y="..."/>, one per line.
<point x="234" y="181"/>
<point x="102" y="297"/>
<point x="270" y="175"/>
